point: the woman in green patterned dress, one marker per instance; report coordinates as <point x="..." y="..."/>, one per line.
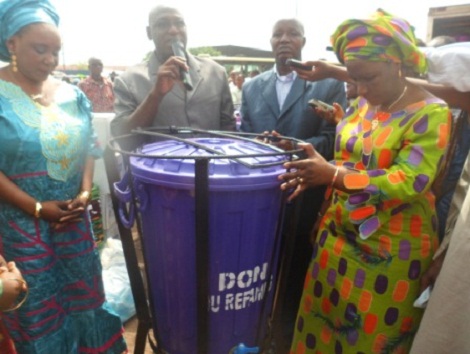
<point x="378" y="234"/>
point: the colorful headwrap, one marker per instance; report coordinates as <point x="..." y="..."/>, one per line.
<point x="379" y="38"/>
<point x="16" y="14"/>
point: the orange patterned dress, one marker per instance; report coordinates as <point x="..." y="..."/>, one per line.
<point x="373" y="245"/>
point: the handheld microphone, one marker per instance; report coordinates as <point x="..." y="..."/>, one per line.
<point x="178" y="50"/>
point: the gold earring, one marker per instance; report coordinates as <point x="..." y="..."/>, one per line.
<point x="399" y="72"/>
<point x="14" y="64"/>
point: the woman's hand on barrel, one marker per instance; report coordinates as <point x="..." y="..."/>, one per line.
<point x="274" y="138"/>
<point x="302" y="174"/>
<point x="283" y="144"/>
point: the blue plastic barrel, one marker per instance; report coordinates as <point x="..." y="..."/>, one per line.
<point x="245" y="204"/>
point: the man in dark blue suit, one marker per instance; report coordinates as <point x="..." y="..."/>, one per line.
<point x="278" y="100"/>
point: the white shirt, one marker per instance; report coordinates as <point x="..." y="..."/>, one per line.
<point x="283" y="86"/>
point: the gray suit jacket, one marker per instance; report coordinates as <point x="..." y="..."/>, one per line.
<point x="260" y="109"/>
<point x="208" y="106"/>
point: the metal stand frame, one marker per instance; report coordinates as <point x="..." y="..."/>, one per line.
<point x="130" y="254"/>
<point x="143" y="310"/>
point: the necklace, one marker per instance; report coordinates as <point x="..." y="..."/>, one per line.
<point x="36" y="97"/>
<point x="398" y="99"/>
<point x="375" y="121"/>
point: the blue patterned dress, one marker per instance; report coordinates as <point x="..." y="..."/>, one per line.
<point x="43" y="150"/>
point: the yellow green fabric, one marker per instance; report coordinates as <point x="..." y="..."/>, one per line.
<point x="373" y="245"/>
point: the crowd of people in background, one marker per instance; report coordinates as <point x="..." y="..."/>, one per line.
<point x="378" y="212"/>
<point x="97" y="88"/>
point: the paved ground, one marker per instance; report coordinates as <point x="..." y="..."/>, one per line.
<point x="130" y="326"/>
<point x="130" y="331"/>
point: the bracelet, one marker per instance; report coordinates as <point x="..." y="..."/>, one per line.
<point x="335" y="176"/>
<point x="19" y="304"/>
<point x="37" y="210"/>
<point x="84" y="194"/>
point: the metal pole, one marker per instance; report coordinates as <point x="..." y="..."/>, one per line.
<point x="202" y="253"/>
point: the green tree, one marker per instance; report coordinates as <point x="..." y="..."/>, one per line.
<point x="147" y="56"/>
<point x="82" y="66"/>
<point x="205" y="50"/>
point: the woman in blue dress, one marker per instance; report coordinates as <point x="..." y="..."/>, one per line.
<point x="47" y="154"/>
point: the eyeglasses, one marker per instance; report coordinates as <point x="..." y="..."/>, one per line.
<point x="166" y="24"/>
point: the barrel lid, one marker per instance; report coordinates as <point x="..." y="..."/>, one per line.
<point x="172" y="163"/>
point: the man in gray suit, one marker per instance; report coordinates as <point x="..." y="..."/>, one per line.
<point x="278" y="100"/>
<point x="152" y="93"/>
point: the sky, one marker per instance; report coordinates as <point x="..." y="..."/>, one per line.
<point x="115" y="31"/>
